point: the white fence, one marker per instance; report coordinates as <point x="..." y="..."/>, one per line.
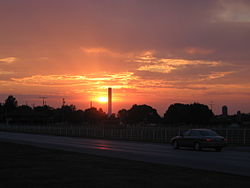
<point x="150" y="134"/>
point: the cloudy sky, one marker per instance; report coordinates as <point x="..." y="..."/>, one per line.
<point x="155" y="52"/>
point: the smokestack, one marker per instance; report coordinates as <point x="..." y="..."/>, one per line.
<point x="109" y="101"/>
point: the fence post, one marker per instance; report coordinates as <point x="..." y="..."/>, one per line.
<point x="153" y="135"/>
<point x="131" y="133"/>
<point x="244" y="136"/>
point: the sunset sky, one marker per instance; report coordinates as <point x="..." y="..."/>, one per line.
<point x="154" y="52"/>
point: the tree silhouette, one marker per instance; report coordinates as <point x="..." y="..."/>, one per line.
<point x="177" y="113"/>
<point x="69" y="114"/>
<point x="10" y="104"/>
<point x="123" y="116"/>
<point x="141" y="114"/>
<point x="188" y="113"/>
<point x="93" y="116"/>
<point x="23" y="109"/>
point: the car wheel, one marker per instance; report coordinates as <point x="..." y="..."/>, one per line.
<point x="197" y="146"/>
<point x="218" y="149"/>
<point x="176" y="145"/>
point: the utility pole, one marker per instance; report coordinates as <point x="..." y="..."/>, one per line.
<point x="63" y="102"/>
<point x="43" y="98"/>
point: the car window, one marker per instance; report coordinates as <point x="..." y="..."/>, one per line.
<point x="208" y="133"/>
<point x="194" y="133"/>
<point x="186" y="133"/>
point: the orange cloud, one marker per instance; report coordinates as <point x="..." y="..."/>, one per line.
<point x="102" y="79"/>
<point x="101" y="51"/>
<point x="198" y="51"/>
<point x="3" y="72"/>
<point x="89" y="85"/>
<point x="215" y="75"/>
<point x="165" y="65"/>
<point x="162" y="68"/>
<point x="8" y="60"/>
<point x="145" y="57"/>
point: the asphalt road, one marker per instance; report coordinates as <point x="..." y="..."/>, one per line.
<point x="230" y="160"/>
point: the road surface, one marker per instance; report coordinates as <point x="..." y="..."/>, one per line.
<point x="234" y="161"/>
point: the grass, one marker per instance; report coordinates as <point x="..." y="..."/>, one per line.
<point x="28" y="166"/>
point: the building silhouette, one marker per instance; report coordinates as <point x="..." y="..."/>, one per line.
<point x="224" y="111"/>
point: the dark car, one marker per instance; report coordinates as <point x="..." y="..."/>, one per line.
<point x="198" y="139"/>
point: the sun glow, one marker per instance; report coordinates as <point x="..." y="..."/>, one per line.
<point x="102" y="99"/>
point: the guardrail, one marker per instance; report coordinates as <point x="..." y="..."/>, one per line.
<point x="151" y="134"/>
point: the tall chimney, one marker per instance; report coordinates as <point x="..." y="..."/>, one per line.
<point x="109" y="101"/>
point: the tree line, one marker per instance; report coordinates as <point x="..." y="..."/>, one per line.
<point x="137" y="115"/>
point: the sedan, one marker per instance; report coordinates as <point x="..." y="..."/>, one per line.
<point x="198" y="139"/>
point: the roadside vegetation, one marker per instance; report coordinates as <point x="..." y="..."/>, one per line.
<point x="188" y="115"/>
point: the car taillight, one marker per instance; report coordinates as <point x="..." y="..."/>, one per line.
<point x="225" y="140"/>
<point x="208" y="139"/>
